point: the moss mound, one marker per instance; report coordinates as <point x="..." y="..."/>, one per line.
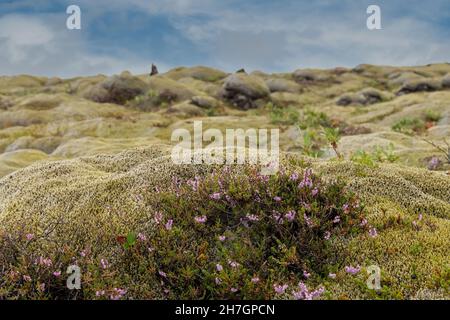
<point x="89" y="204"/>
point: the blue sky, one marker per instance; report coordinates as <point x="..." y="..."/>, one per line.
<point x="273" y="36"/>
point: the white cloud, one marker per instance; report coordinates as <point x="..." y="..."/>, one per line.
<point x="42" y="45"/>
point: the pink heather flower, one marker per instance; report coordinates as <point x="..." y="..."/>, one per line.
<point x="277" y="199"/>
<point x="346" y="208"/>
<point x="193" y="183"/>
<point x="222" y="238"/>
<point x="219" y="267"/>
<point x="215" y="196"/>
<point x="294" y="177"/>
<point x="162" y="274"/>
<point x="57" y="273"/>
<point x="44" y="261"/>
<point x="290" y="216"/>
<point x="332" y="275"/>
<point x="280" y="289"/>
<point x="373" y="232"/>
<point x="306" y="274"/>
<point x="169" y="224"/>
<point x="150" y="249"/>
<point x="141" y="237"/>
<point x="255" y="280"/>
<point x="200" y="219"/>
<point x="158" y="217"/>
<point x="27" y="278"/>
<point x="218" y="281"/>
<point x="363" y="222"/>
<point x="277" y="217"/>
<point x="414" y="223"/>
<point x="308" y="221"/>
<point x="304" y="294"/>
<point x="420" y="217"/>
<point x="118" y="294"/>
<point x="100" y="293"/>
<point x="233" y="290"/>
<point x="83" y="253"/>
<point x="337" y="219"/>
<point x="352" y="270"/>
<point x="29" y="236"/>
<point x="42" y="287"/>
<point x="252" y="217"/>
<point x="315" y="192"/>
<point x="104" y="263"/>
<point x="327" y="235"/>
<point x="233" y="264"/>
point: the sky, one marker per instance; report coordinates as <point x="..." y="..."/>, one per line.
<point x="266" y="35"/>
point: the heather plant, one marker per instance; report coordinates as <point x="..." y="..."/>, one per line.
<point x="379" y="154"/>
<point x="231" y="234"/>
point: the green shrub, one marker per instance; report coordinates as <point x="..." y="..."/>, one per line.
<point x="409" y="125"/>
<point x="283" y="116"/>
<point x="379" y="154"/>
<point x="311" y="119"/>
<point x="432" y="116"/>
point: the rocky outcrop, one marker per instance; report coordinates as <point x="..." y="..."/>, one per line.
<point x="242" y="90"/>
<point x="117" y="89"/>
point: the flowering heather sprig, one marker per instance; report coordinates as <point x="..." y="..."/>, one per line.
<point x="104" y="263"/>
<point x="194" y="183"/>
<point x="315" y="192"/>
<point x="306" y="182"/>
<point x="162" y="274"/>
<point x="363" y="223"/>
<point x="57" y="274"/>
<point x="255" y="280"/>
<point x="332" y="275"/>
<point x="29" y="236"/>
<point x="252" y="217"/>
<point x="337" y="219"/>
<point x="277" y="199"/>
<point x="346" y="208"/>
<point x="233" y="264"/>
<point x="308" y="221"/>
<point x="222" y="238"/>
<point x="44" y="262"/>
<point x="200" y="219"/>
<point x="304" y="294"/>
<point x="306" y="274"/>
<point x="99" y="293"/>
<point x="141" y="237"/>
<point x="290" y="216"/>
<point x="280" y="289"/>
<point x="215" y="196"/>
<point x="169" y="224"/>
<point x="294" y="176"/>
<point x="158" y="217"/>
<point x="373" y="232"/>
<point x="219" y="267"/>
<point x="352" y="270"/>
<point x="117" y="294"/>
<point x="327" y="235"/>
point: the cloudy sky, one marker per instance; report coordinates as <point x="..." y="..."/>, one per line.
<point x="266" y="35"/>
